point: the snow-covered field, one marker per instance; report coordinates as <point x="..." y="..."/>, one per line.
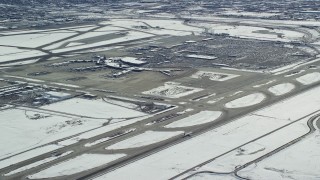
<point x="78" y="164"/>
<point x="144" y="139"/>
<point x="43" y="127"/>
<point x="196" y="119"/>
<point x="78" y="40"/>
<point x="309" y="78"/>
<point x="185" y="155"/>
<point x="93" y="108"/>
<point x="207" y="175"/>
<point x="132" y="35"/>
<point x="65" y="85"/>
<point x="21" y="130"/>
<point x="24" y="78"/>
<point x="281" y="89"/>
<point x="26" y="155"/>
<point x="299" y="161"/>
<point x="249" y="14"/>
<point x="33" y="40"/>
<point x="214" y="76"/>
<point x="249" y="152"/>
<point x="253" y="32"/>
<point x="172" y="90"/>
<point x="132" y="60"/>
<point x="249" y="100"/>
<point x="8" y="54"/>
<point x="156" y="26"/>
<point x="38" y="163"/>
<point x="206" y="57"/>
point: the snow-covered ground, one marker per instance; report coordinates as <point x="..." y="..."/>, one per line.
<point x="132" y="35"/>
<point x="172" y="90"/>
<point x="26" y="155"/>
<point x="78" y="40"/>
<point x="214" y="76"/>
<point x="38" y="163"/>
<point x="8" y="54"/>
<point x="156" y="26"/>
<point x="249" y="152"/>
<point x="132" y="60"/>
<point x="65" y="85"/>
<point x="249" y="100"/>
<point x="206" y="175"/>
<point x="67" y="29"/>
<point x="93" y="108"/>
<point x="253" y="32"/>
<point x="255" y="21"/>
<point x="281" y="89"/>
<point x="185" y="155"/>
<point x="78" y="164"/>
<point x="24" y="78"/>
<point x="33" y="40"/>
<point x="201" y="57"/>
<point x="249" y="14"/>
<point x="196" y="119"/>
<point x="20" y="63"/>
<point x="144" y="139"/>
<point x="21" y="130"/>
<point x="299" y="161"/>
<point x="309" y="78"/>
